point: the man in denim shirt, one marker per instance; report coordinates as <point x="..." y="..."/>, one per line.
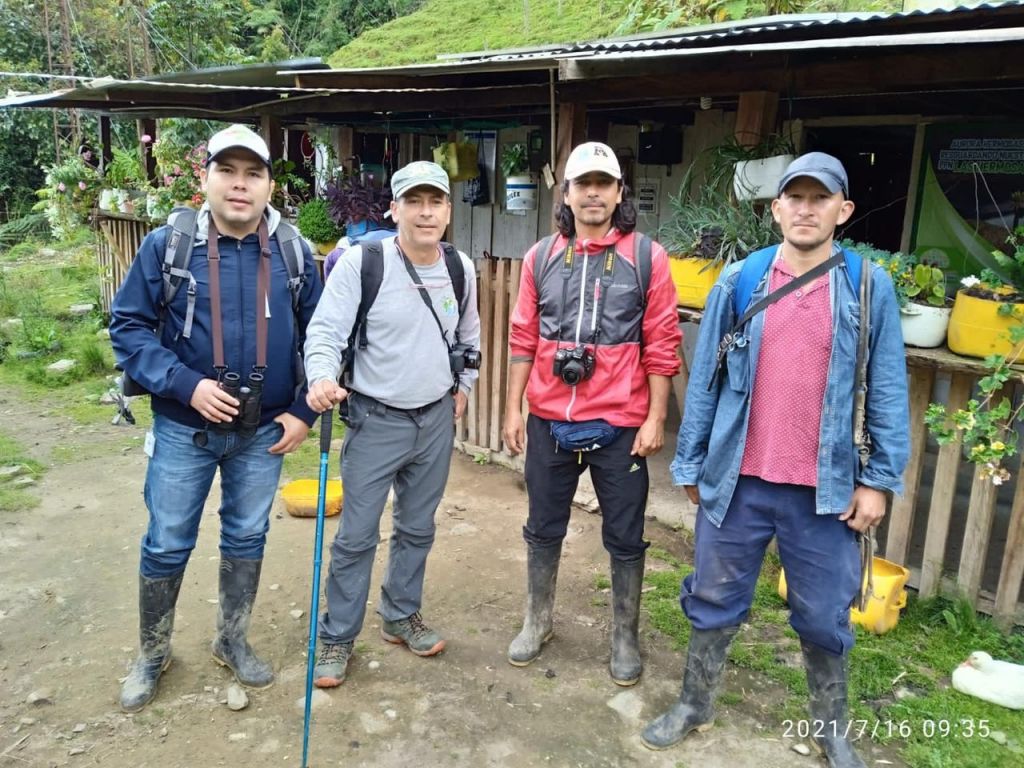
<point x="766" y="449"/>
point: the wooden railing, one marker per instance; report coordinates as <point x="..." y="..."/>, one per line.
<point x="119" y="241"/>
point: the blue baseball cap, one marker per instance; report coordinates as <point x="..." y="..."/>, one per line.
<point x="822" y="168"/>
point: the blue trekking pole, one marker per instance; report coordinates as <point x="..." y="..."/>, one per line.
<point x="314" y="604"/>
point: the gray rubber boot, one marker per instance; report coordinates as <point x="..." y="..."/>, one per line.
<point x="157" y="598"/>
<point x="627" y="580"/>
<point x="239" y="580"/>
<point x="694" y="711"/>
<point x="541" y="577"/>
<point x="826" y="682"/>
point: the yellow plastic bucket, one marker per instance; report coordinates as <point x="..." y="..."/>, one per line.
<point x="976" y="328"/>
<point x="692" y="284"/>
<point x="300" y="497"/>
<point x="887" y="597"/>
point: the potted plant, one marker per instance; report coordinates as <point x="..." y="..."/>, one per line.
<point x="757" y="169"/>
<point x="520" y="185"/>
<point x="459" y="159"/>
<point x="920" y="290"/>
<point x="317" y="226"/>
<point x="71" y="191"/>
<point x="356" y="204"/>
<point x="178" y="166"/>
<point x="126" y="178"/>
<point x="291" y="190"/>
<point x="988" y="308"/>
<point x="705" y="234"/>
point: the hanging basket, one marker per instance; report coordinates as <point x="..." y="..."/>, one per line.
<point x="759" y="179"/>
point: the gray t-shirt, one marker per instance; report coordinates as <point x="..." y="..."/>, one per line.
<point x="405" y="364"/>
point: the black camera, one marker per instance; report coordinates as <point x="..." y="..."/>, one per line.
<point x="463" y="356"/>
<point x="574" y="365"/>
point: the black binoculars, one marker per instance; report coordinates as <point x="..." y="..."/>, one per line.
<point x="249" y="396"/>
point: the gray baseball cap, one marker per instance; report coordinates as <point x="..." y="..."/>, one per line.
<point x="421" y="173"/>
<point x="821" y="167"/>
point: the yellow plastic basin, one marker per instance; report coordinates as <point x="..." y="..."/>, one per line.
<point x="693" y="285"/>
<point x="300" y="498"/>
<point x="976" y="328"/>
<point x="887" y="597"/>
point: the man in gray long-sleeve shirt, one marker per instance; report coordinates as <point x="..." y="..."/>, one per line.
<point x="402" y="394"/>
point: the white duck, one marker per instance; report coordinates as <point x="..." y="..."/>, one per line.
<point x="999" y="682"/>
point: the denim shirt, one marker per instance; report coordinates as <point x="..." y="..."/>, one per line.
<point x="713" y="434"/>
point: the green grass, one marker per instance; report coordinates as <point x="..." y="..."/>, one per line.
<point x="932" y="637"/>
<point x="440" y="27"/>
<point x="12" y="498"/>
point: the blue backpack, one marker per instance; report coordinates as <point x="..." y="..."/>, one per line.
<point x="755" y="266"/>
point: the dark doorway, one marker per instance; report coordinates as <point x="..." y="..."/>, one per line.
<point x="877" y="160"/>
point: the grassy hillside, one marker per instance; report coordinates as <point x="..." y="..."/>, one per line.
<point x="454" y="26"/>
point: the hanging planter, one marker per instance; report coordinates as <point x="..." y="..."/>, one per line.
<point x="759" y="179"/>
<point x="924" y="325"/>
<point x="978" y="327"/>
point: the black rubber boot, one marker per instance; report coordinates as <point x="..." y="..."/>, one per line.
<point x="541" y="577"/>
<point x="826" y="681"/>
<point x="627" y="579"/>
<point x="157" y="598"/>
<point x="694" y="711"/>
<point x="239" y="580"/>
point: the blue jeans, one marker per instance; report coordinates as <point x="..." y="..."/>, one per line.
<point x="819" y="554"/>
<point x="178" y="480"/>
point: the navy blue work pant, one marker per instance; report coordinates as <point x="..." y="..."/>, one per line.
<point x="819" y="554"/>
<point x="620" y="481"/>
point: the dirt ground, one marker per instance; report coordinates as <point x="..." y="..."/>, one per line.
<point x="68" y="631"/>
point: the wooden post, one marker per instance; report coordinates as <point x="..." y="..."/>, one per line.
<point x="902" y="520"/>
<point x="270" y="128"/>
<point x="1013" y="559"/>
<point x="942" y="495"/>
<point x="345" y="145"/>
<point x="147" y="127"/>
<point x="755" y="116"/>
<point x="106" y="148"/>
<point x="572" y="118"/>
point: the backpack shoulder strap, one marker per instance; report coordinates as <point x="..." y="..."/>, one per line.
<point x="177" y="254"/>
<point x="854" y="263"/>
<point x="371" y="275"/>
<point x="456" y="272"/>
<point x="541" y="256"/>
<point x="754" y="268"/>
<point x="294" y="259"/>
<point x="642" y="243"/>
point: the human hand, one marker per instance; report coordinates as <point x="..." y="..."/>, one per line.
<point x="325" y="394"/>
<point x="295" y="431"/>
<point x="649" y="438"/>
<point x="514" y="431"/>
<point x="866" y="510"/>
<point x="213" y="403"/>
<point x="461" y="402"/>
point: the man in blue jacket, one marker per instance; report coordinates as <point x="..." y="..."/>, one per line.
<point x="766" y="448"/>
<point x="221" y="363"/>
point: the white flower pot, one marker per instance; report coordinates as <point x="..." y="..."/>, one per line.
<point x="521" y="193"/>
<point x="759" y="179"/>
<point x="107" y="201"/>
<point x="924" y="325"/>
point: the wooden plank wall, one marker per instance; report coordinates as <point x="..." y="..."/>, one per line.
<point x="498" y="288"/>
<point x="936" y="573"/>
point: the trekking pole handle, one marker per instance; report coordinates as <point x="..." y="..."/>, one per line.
<point x="326" y="420"/>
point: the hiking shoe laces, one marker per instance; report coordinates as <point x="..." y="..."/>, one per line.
<point x="331" y="664"/>
<point x="414" y="634"/>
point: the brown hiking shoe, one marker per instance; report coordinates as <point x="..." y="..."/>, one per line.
<point x="331" y="664"/>
<point x="414" y="634"/>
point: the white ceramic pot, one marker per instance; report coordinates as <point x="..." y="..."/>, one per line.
<point x="759" y="179"/>
<point x="107" y="201"/>
<point x="924" y="325"/>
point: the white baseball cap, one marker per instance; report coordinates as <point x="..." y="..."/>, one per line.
<point x="237" y="136"/>
<point x="593" y="156"/>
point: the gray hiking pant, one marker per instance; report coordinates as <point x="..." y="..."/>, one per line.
<point x="384" y="446"/>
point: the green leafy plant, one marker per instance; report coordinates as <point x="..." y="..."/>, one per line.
<point x="291" y="190"/>
<point x="515" y="160"/>
<point x="125" y="170"/>
<point x="72" y="187"/>
<point x="927" y="285"/>
<point x="315" y="222"/>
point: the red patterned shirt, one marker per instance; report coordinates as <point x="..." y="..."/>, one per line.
<point x="789" y="386"/>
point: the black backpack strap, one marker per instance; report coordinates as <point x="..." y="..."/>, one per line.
<point x="177" y="255"/>
<point x="643" y="265"/>
<point x="294" y="259"/>
<point x="371" y="275"/>
<point x="456" y="272"/>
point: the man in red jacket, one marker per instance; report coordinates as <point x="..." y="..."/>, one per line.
<point x="593" y="343"/>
